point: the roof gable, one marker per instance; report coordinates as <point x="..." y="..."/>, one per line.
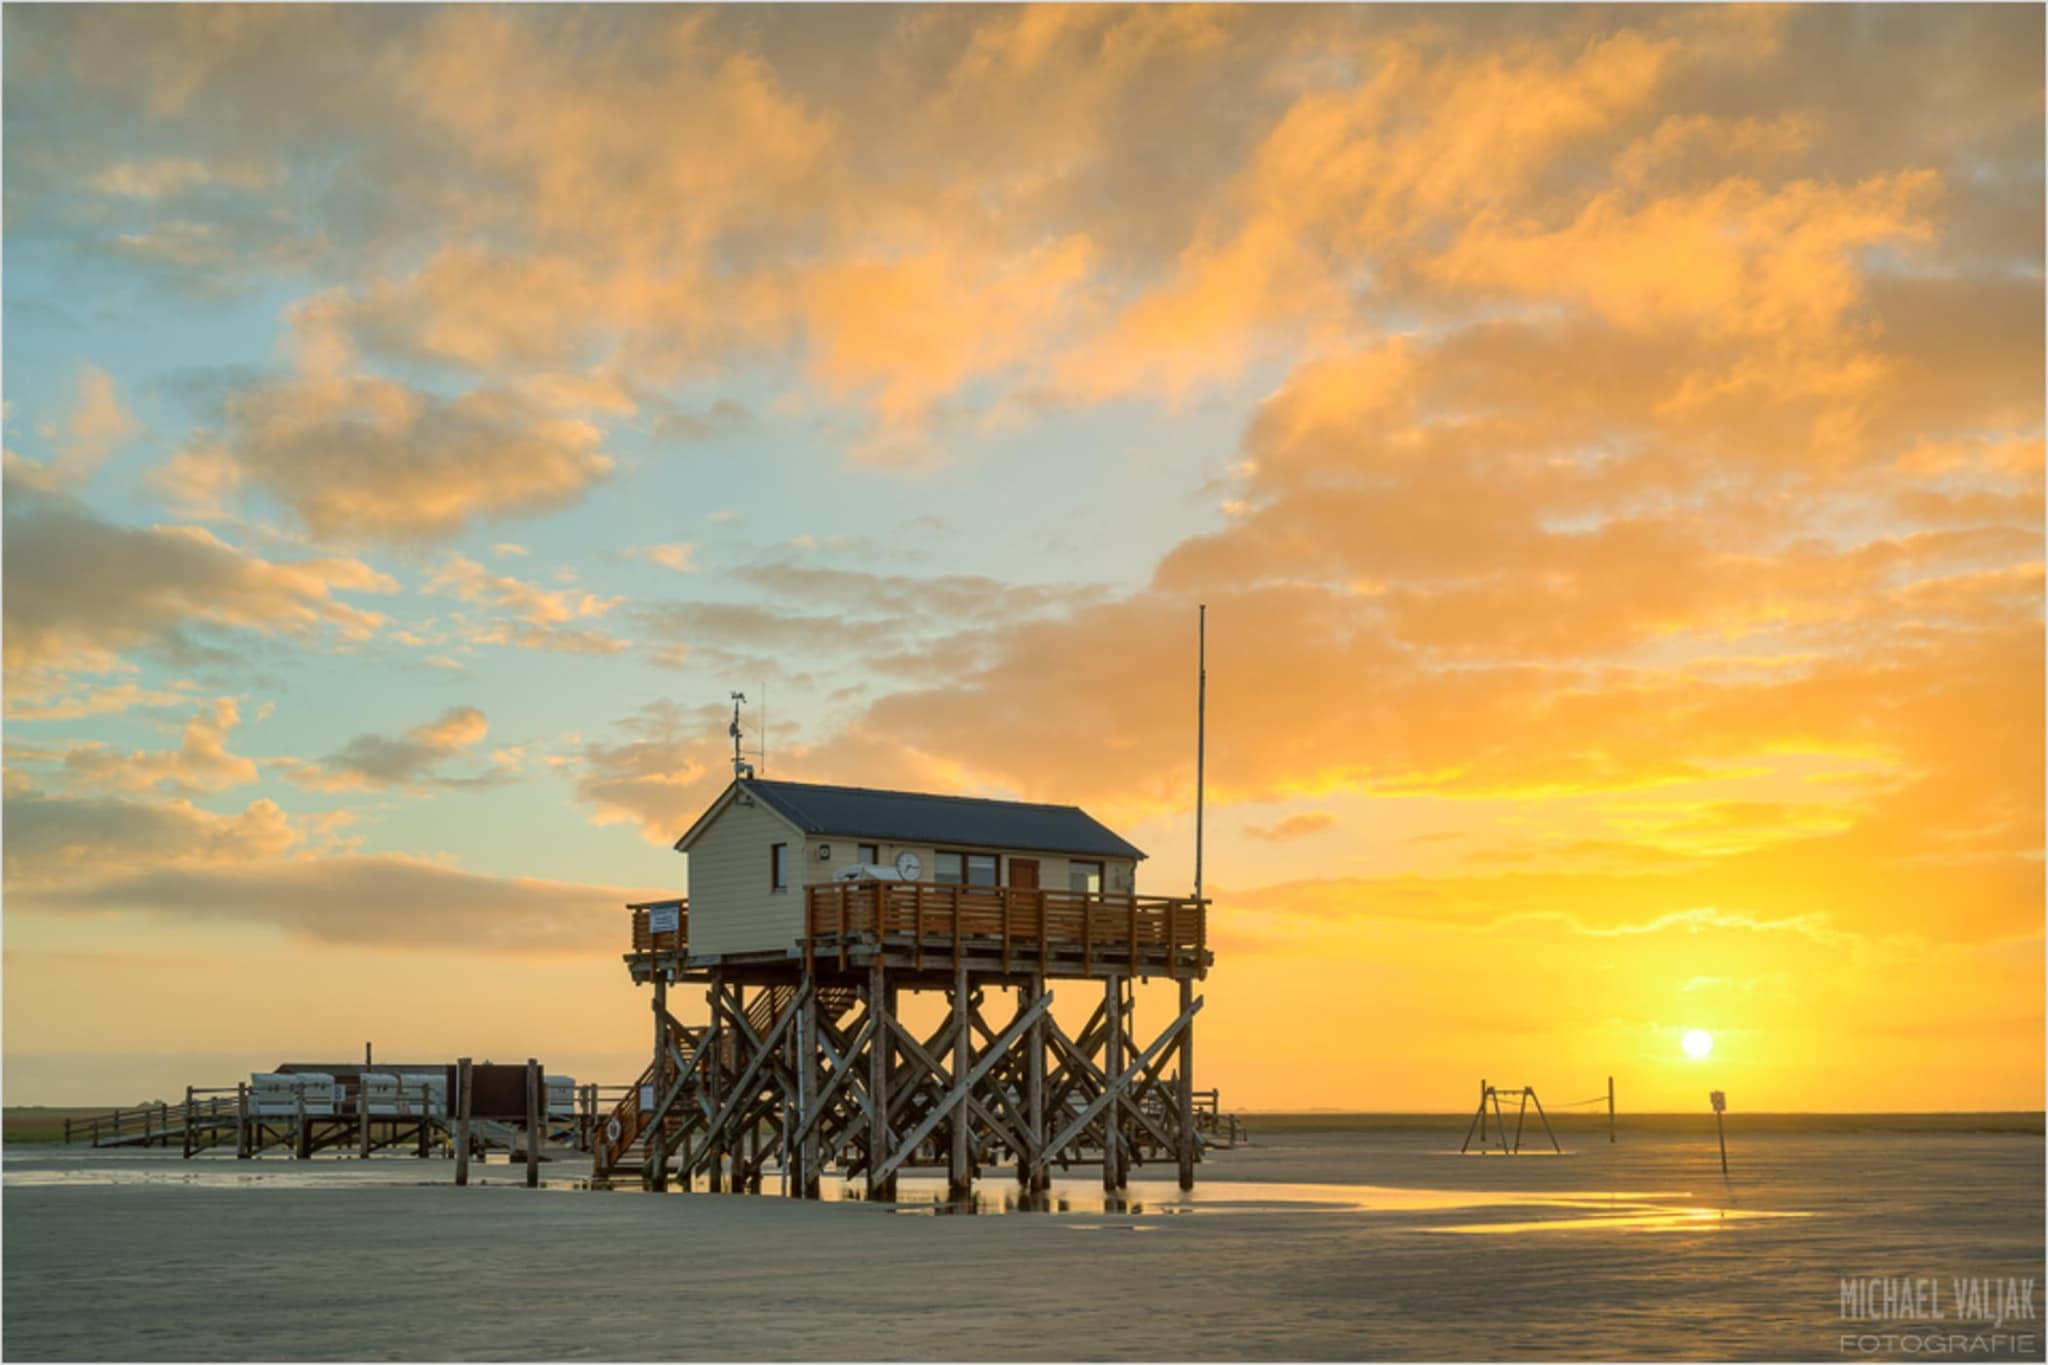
<point x="924" y="818"/>
<point x="717" y="808"/>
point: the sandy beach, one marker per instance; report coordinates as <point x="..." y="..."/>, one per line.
<point x="1321" y="1242"/>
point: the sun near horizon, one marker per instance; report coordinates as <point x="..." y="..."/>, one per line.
<point x="1608" y="442"/>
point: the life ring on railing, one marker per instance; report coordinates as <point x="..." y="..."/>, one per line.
<point x="612" y="1130"/>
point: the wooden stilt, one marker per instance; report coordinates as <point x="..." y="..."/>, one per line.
<point x="1031" y="1160"/>
<point x="959" y="1173"/>
<point x="714" y="1176"/>
<point x="363" y="1116"/>
<point x="1112" y="1064"/>
<point x="1188" y="1140"/>
<point x="656" y="1175"/>
<point x="462" y="1106"/>
<point x="191" y="1118"/>
<point x="881" y="1007"/>
<point x="1610" y="1109"/>
<point x="305" y="1129"/>
<point x="242" y="1135"/>
<point x="810" y="1085"/>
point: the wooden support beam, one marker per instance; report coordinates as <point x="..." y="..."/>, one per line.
<point x="1112" y="1063"/>
<point x="656" y="1174"/>
<point x="881" y="1011"/>
<point x="1034" y="1174"/>
<point x="1188" y="1142"/>
<point x="713" y="1155"/>
<point x="1078" y="1124"/>
<point x="462" y="1108"/>
<point x="242" y="1134"/>
<point x="959" y="1167"/>
<point x="963" y="1086"/>
<point x="810" y="1102"/>
<point x="741" y="1095"/>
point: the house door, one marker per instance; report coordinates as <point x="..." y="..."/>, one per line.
<point x="1024" y="873"/>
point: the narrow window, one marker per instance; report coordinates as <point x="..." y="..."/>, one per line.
<point x="1084" y="877"/>
<point x="949" y="869"/>
<point x="981" y="869"/>
<point x="778" y="867"/>
<point x="870" y="854"/>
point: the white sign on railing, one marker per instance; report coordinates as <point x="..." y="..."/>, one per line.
<point x="664" y="919"/>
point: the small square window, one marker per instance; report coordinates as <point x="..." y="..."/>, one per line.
<point x="871" y="854"/>
<point x="1083" y="876"/>
<point x="981" y="869"/>
<point x="949" y="869"/>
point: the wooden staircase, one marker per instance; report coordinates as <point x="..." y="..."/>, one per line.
<point x="626" y="1154"/>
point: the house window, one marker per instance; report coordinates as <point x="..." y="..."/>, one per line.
<point x="965" y="869"/>
<point x="778" y="867"/>
<point x="1084" y="876"/>
<point x="870" y="854"/>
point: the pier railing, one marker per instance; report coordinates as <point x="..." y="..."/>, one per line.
<point x="1010" y="921"/>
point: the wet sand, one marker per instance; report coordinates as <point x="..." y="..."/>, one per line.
<point x="1311" y="1245"/>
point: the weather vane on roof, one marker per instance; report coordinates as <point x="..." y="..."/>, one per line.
<point x="740" y="766"/>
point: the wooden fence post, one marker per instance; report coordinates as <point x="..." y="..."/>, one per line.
<point x="363" y="1115"/>
<point x="242" y="1144"/>
<point x="462" y="1103"/>
<point x="533" y="1088"/>
<point x="188" y="1123"/>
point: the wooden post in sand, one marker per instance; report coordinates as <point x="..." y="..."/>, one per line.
<point x="1720" y="1102"/>
<point x="363" y="1115"/>
<point x="242" y="1120"/>
<point x="188" y="1123"/>
<point x="462" y="1121"/>
<point x="1610" y="1109"/>
<point x="532" y="1123"/>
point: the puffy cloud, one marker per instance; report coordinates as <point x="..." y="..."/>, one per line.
<point x="59" y="842"/>
<point x="200" y="763"/>
<point x="375" y="762"/>
<point x="358" y="458"/>
<point x="517" y="613"/>
<point x="82" y="591"/>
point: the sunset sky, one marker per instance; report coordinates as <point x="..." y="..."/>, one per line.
<point x="1609" y="443"/>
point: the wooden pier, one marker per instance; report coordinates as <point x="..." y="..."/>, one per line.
<point x="807" y="1066"/>
<point x="409" y="1121"/>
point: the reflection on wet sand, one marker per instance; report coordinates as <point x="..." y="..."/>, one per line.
<point x="1528" y="1210"/>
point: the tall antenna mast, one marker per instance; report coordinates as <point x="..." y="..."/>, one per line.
<point x="1201" y="728"/>
<point x="740" y="766"/>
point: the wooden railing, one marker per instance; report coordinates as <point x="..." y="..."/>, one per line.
<point x="1008" y="918"/>
<point x="645" y="940"/>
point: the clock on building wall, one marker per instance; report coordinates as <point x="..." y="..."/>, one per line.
<point x="908" y="865"/>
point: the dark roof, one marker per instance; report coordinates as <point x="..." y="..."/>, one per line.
<point x="921" y="818"/>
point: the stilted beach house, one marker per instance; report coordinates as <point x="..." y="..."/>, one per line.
<point x="812" y="907"/>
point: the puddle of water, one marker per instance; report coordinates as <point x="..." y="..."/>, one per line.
<point x="1528" y="1210"/>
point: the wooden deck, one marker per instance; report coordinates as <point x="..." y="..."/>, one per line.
<point x="929" y="926"/>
